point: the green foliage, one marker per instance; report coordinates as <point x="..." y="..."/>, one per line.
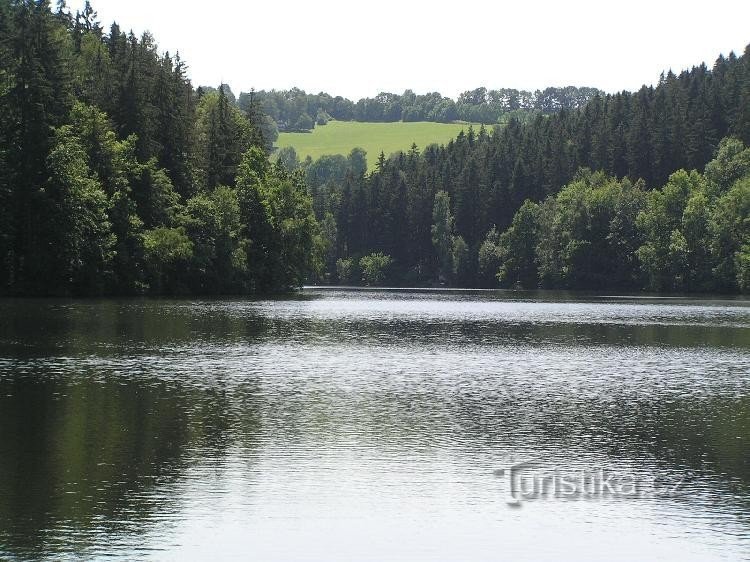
<point x="94" y="74"/>
<point x="329" y="239"/>
<point x="490" y="258"/>
<point x="284" y="237"/>
<point x="114" y="164"/>
<point x="128" y="262"/>
<point x="327" y="173"/>
<point x="667" y="253"/>
<point x="266" y="131"/>
<point x="583" y="236"/>
<point x="322" y="118"/>
<point x="375" y="268"/>
<point x="442" y="234"/>
<point x="213" y="225"/>
<point x="346" y="271"/>
<point x="517" y="248"/>
<point x="110" y="160"/>
<point x="79" y="229"/>
<point x="461" y="261"/>
<point x="325" y="170"/>
<point x="590" y="235"/>
<point x="167" y="246"/>
<point x="304" y="123"/>
<point x="116" y="177"/>
<point x="597" y="232"/>
<point x="731" y="163"/>
<point x="297" y="245"/>
<point x="37" y="94"/>
<point x="167" y="252"/>
<point x="292" y="108"/>
<point x="357" y="161"/>
<point x="288" y="158"/>
<point x="729" y="227"/>
<point x="742" y="266"/>
<point x="223" y="134"/>
<point x="156" y="200"/>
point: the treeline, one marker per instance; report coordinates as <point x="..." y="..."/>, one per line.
<point x="296" y="110"/>
<point x="117" y="177"/>
<point x="692" y="235"/>
<point x="482" y="179"/>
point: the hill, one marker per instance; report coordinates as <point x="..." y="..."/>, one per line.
<point x="339" y="137"/>
<point x="667" y="207"/>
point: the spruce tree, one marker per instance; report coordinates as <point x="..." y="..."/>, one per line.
<point x="39" y="101"/>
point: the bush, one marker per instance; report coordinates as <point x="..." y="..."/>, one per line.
<point x="167" y="252"/>
<point x="375" y="268"/>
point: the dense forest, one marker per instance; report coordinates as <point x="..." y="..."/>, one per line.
<point x="489" y="205"/>
<point x="296" y="110"/>
<point x="117" y="177"/>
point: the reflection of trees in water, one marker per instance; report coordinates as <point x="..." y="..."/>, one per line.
<point x="706" y="436"/>
<point x="43" y="328"/>
<point x="85" y="458"/>
<point x="94" y="443"/>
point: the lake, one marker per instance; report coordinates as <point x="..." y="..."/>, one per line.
<point x="376" y="425"/>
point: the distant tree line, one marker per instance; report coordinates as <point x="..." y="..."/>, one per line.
<point x="117" y="177"/>
<point x="296" y="110"/>
<point x="490" y="206"/>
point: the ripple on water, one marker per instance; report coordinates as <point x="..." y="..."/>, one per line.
<point x="370" y="425"/>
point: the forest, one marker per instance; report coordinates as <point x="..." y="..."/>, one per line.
<point x="296" y="110"/>
<point x="118" y="177"/>
<point x="646" y="190"/>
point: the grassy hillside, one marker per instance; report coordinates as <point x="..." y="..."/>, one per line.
<point x="339" y="137"/>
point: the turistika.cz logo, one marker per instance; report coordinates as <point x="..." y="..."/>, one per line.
<point x="529" y="480"/>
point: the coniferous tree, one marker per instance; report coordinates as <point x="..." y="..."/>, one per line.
<point x="39" y="97"/>
<point x="645" y="136"/>
<point x="101" y="185"/>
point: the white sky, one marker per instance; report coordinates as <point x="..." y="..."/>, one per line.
<point x="356" y="49"/>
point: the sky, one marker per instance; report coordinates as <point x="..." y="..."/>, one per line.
<point x="356" y="49"/>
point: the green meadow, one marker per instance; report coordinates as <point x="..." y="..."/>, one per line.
<point x="339" y="137"/>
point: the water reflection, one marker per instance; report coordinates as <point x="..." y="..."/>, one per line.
<point x="368" y="425"/>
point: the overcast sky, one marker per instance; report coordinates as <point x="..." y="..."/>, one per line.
<point x="356" y="49"/>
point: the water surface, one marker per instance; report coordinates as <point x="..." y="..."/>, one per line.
<point x="370" y="425"/>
